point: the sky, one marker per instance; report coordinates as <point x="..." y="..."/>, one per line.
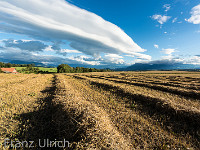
<point x="100" y="33"/>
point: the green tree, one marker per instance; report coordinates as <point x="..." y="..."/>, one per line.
<point x="8" y="65"/>
<point x="2" y="65"/>
<point x="64" y="68"/>
<point x="85" y="69"/>
<point x="30" y="69"/>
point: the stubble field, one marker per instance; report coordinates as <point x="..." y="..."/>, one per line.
<point x="112" y="110"/>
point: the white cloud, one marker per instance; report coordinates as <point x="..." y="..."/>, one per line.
<point x="174" y="20"/>
<point x="195" y="15"/>
<point x="156" y="46"/>
<point x="168" y="57"/>
<point x="70" y="51"/>
<point x="139" y="56"/>
<point x="167" y="7"/>
<point x="49" y="48"/>
<point x="59" y="21"/>
<point x="113" y="58"/>
<point x="84" y="60"/>
<point x="140" y="61"/>
<point x="161" y="19"/>
<point x="129" y="56"/>
<point x="168" y="51"/>
<point x="64" y="52"/>
<point x="165" y="32"/>
<point x="195" y="60"/>
<point x="142" y="56"/>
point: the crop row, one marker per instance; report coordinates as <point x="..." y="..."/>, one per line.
<point x="17" y="99"/>
<point x="190" y="80"/>
<point x="138" y="128"/>
<point x="195" y="94"/>
<point x="12" y="79"/>
<point x="181" y="116"/>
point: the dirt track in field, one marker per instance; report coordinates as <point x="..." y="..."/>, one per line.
<point x="97" y="111"/>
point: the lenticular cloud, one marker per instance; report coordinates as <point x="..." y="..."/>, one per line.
<point x="58" y="20"/>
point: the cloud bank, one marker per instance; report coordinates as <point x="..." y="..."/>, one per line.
<point x="10" y="54"/>
<point x="58" y="21"/>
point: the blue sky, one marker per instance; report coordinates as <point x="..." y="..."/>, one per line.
<point x="100" y="33"/>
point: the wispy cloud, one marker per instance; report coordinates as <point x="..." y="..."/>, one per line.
<point x="167" y="7"/>
<point x="195" y="60"/>
<point x="64" y="52"/>
<point x="170" y="59"/>
<point x="174" y="20"/>
<point x="114" y="58"/>
<point x="60" y="21"/>
<point x="168" y="51"/>
<point x="142" y="56"/>
<point x="195" y="15"/>
<point x="156" y="46"/>
<point x="85" y="60"/>
<point x="161" y="19"/>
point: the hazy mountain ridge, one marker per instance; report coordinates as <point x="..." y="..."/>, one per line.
<point x="163" y="66"/>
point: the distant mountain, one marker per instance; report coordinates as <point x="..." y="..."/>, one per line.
<point x="159" y="66"/>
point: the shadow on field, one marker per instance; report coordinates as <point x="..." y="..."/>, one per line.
<point x="51" y="122"/>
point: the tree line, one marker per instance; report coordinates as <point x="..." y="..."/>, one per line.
<point x="9" y="65"/>
<point x="64" y="68"/>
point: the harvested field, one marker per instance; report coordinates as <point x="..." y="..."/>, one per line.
<point x="113" y="110"/>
